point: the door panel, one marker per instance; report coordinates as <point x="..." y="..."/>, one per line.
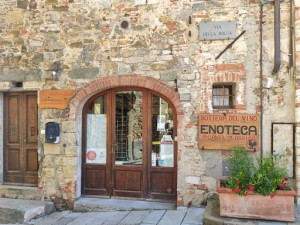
<point x="20" y="144"/>
<point x="95" y="155"/>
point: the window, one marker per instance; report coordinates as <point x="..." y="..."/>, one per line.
<point x="222" y="96"/>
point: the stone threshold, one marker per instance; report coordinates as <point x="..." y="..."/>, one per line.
<point x="20" y="192"/>
<point x="84" y="204"/>
<point x="22" y="211"/>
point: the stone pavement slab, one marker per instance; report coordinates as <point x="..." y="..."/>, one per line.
<point x="134" y="218"/>
<point x="194" y="216"/>
<point x="154" y="217"/>
<point x="174" y="217"/>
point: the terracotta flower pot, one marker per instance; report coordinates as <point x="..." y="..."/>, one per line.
<point x="256" y="206"/>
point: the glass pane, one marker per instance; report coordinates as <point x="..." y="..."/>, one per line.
<point x="162" y="133"/>
<point x="96" y="131"/>
<point x="226" y="100"/>
<point x="226" y="91"/>
<point x="129" y="118"/>
<point x="217" y="91"/>
<point x="217" y="100"/>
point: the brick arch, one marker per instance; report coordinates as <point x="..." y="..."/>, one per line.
<point x="108" y="82"/>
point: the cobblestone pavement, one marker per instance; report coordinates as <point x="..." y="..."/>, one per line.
<point x="191" y="216"/>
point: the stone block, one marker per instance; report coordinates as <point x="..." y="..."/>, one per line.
<point x="15" y="16"/>
<point x="169" y="75"/>
<point x="51" y="149"/>
<point x="153" y="2"/>
<point x="185" y="97"/>
<point x="124" y="68"/>
<point x="68" y="126"/>
<point x="71" y="151"/>
<point x="49" y="173"/>
<point x="139" y="2"/>
<point x="20" y="75"/>
<point x="192" y="180"/>
<point x="159" y="67"/>
<point x="84" y="73"/>
<point x="68" y="139"/>
<point x="70" y="161"/>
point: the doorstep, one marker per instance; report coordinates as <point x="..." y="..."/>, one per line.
<point x="20" y="192"/>
<point x="22" y="211"/>
<point x="100" y="204"/>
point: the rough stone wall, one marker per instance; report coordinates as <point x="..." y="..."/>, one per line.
<point x="87" y="37"/>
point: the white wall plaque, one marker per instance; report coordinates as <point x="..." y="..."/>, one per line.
<point x="217" y="30"/>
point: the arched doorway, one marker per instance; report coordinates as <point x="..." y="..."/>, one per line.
<point x="129" y="144"/>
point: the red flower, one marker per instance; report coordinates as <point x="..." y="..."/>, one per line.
<point x="282" y="185"/>
<point x="272" y="195"/>
<point x="286" y="179"/>
<point x="237" y="181"/>
<point x="236" y="190"/>
<point x="251" y="188"/>
<point x="246" y="193"/>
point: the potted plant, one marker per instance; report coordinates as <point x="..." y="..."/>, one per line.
<point x="256" y="189"/>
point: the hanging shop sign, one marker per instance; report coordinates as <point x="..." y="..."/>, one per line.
<point x="217" y="30"/>
<point x="55" y="99"/>
<point x="224" y="131"/>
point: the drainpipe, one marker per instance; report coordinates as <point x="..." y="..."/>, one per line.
<point x="261" y="78"/>
<point x="291" y="53"/>
<point x="276" y="36"/>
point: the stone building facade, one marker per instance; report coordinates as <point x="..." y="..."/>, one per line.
<point x="153" y="45"/>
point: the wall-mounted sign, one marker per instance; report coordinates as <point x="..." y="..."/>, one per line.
<point x="55" y="99"/>
<point x="224" y="131"/>
<point x="217" y="30"/>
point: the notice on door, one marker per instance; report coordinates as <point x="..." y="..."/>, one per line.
<point x="96" y="138"/>
<point x="224" y="131"/>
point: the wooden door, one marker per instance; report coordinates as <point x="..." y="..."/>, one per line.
<point x="20" y="138"/>
<point x="120" y="154"/>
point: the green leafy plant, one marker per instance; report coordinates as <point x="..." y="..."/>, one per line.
<point x="264" y="176"/>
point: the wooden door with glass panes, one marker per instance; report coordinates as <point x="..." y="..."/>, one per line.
<point x="129" y="145"/>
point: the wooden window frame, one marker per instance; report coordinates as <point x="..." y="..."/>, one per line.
<point x="223" y="95"/>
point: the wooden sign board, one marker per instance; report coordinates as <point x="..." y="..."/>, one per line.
<point x="224" y="131"/>
<point x="55" y="99"/>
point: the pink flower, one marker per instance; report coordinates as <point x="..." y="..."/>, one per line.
<point x="286" y="179"/>
<point x="246" y="193"/>
<point x="236" y="190"/>
<point x="282" y="185"/>
<point x="251" y="188"/>
<point x="272" y="195"/>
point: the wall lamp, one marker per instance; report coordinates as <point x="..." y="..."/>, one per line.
<point x="55" y="70"/>
<point x="176" y="87"/>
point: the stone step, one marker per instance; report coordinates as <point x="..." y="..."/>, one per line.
<point x="22" y="211"/>
<point x="99" y="204"/>
<point x="20" y="192"/>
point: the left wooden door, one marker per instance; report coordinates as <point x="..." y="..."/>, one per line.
<point x="20" y="138"/>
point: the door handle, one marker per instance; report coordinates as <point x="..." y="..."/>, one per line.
<point x="114" y="147"/>
<point x="12" y="130"/>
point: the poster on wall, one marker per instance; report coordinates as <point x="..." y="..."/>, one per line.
<point x="96" y="138"/>
<point x="225" y="131"/>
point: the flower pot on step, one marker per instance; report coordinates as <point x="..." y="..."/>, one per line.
<point x="257" y="206"/>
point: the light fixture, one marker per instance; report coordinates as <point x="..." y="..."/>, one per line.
<point x="55" y="70"/>
<point x="176" y="88"/>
